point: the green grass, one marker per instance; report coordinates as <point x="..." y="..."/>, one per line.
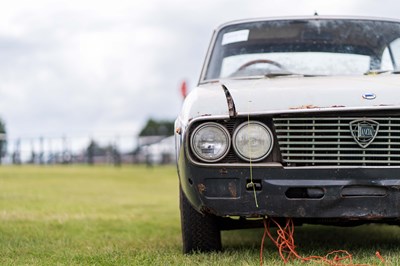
<point x="81" y="215"/>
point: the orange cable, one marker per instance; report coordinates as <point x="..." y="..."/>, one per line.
<point x="379" y="256"/>
<point x="287" y="249"/>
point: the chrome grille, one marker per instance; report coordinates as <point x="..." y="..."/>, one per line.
<point x="325" y="141"/>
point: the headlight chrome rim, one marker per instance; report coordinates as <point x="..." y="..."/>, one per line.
<point x="224" y="131"/>
<point x="269" y="133"/>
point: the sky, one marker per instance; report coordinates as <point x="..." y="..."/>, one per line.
<point x="96" y="67"/>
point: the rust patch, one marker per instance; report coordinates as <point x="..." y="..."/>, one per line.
<point x="201" y="188"/>
<point x="232" y="189"/>
<point x="308" y="106"/>
<point x="374" y="217"/>
<point x="205" y="209"/>
<point x="178" y="130"/>
<point x="301" y="211"/>
<point x="223" y="171"/>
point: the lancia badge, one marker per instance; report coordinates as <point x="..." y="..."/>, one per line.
<point x="364" y="131"/>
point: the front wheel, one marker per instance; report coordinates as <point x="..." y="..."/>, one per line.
<point x="200" y="232"/>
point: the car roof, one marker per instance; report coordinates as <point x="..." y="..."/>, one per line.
<point x="315" y="17"/>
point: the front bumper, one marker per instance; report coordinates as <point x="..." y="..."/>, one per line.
<point x="345" y="193"/>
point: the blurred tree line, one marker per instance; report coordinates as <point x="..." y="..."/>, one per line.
<point x="160" y="128"/>
<point x="3" y="140"/>
<point x="157" y="128"/>
<point x="94" y="149"/>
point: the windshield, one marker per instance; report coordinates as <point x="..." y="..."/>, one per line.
<point x="305" y="46"/>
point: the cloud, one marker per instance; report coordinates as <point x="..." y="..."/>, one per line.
<point x="77" y="67"/>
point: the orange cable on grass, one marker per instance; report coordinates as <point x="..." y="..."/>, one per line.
<point x="378" y="254"/>
<point x="287" y="249"/>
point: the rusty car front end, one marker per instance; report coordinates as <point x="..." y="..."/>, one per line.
<point x="292" y="118"/>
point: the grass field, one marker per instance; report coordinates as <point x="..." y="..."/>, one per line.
<point x="81" y="215"/>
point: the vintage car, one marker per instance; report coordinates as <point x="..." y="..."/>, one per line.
<point x="296" y="118"/>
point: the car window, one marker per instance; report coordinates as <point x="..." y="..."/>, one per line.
<point x="309" y="63"/>
<point x="395" y="48"/>
<point x="304" y="46"/>
<point x="391" y="56"/>
<point x="387" y="63"/>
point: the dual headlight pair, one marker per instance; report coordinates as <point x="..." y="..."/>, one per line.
<point x="252" y="141"/>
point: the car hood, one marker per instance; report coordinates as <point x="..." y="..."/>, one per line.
<point x="293" y="94"/>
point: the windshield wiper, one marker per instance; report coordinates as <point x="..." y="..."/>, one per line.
<point x="273" y="74"/>
<point x="378" y="72"/>
<point x="286" y="73"/>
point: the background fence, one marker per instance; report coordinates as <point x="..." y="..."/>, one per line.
<point x="111" y="149"/>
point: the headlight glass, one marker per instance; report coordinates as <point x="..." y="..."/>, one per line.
<point x="252" y="141"/>
<point x="210" y="142"/>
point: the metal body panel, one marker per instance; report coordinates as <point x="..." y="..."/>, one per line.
<point x="233" y="198"/>
<point x="348" y="192"/>
<point x="293" y="94"/>
<point x="197" y="179"/>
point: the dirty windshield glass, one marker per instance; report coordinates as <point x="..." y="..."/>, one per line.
<point x="305" y="46"/>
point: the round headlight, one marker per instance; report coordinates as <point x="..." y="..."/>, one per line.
<point x="210" y="142"/>
<point x="252" y="141"/>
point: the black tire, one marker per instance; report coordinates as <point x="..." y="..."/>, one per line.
<point x="200" y="232"/>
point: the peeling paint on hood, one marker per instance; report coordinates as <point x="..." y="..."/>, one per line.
<point x="282" y="94"/>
